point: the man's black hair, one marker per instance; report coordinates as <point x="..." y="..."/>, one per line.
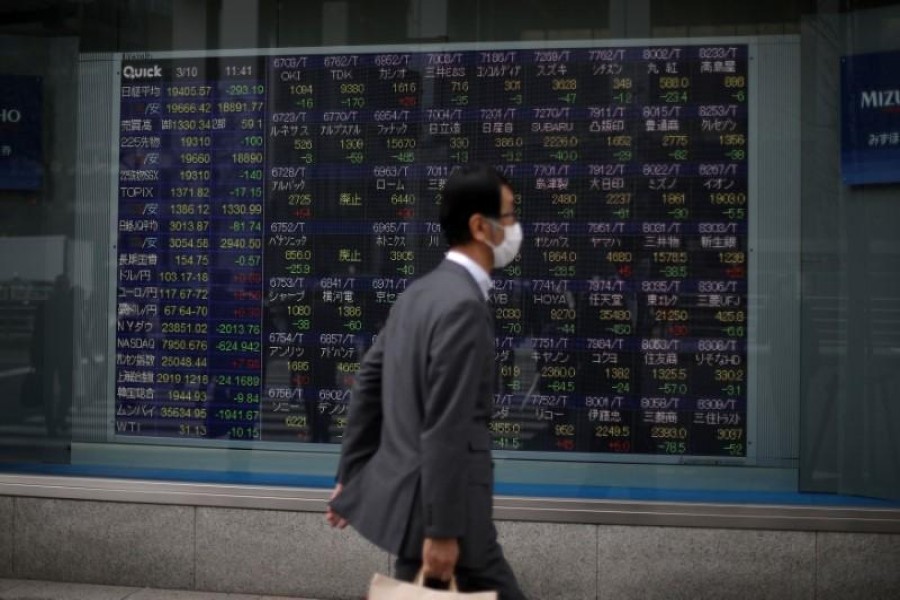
<point x="470" y="189"/>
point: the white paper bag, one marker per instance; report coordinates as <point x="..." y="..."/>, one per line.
<point x="386" y="588"/>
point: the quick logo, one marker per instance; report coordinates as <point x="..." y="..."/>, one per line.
<point x="132" y="72"/>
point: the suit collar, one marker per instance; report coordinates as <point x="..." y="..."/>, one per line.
<point x="449" y="265"/>
<point x="482" y="278"/>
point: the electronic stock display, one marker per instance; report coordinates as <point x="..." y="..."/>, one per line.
<point x="272" y="207"/>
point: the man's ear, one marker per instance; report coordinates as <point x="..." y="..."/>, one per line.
<point x="476" y="227"/>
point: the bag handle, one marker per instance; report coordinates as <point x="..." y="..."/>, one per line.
<point x="420" y="580"/>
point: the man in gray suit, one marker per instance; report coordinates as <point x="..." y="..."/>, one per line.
<point x="415" y="475"/>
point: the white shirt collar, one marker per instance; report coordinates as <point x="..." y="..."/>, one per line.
<point x="481" y="277"/>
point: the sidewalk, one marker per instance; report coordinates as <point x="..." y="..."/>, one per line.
<point x="22" y="589"/>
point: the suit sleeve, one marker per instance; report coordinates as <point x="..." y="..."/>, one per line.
<point x="363" y="431"/>
<point x="454" y="371"/>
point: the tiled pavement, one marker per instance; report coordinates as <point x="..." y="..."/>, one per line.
<point x="21" y="589"/>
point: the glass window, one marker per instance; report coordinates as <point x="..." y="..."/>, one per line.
<point x="208" y="209"/>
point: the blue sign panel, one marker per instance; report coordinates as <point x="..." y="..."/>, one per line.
<point x="20" y="133"/>
<point x="870" y="124"/>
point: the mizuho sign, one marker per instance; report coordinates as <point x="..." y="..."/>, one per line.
<point x="10" y="115"/>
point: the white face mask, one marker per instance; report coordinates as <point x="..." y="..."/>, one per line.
<point x="506" y="251"/>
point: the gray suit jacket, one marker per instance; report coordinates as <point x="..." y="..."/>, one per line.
<point x="416" y="458"/>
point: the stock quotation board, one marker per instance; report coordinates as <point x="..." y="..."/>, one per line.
<point x="272" y="208"/>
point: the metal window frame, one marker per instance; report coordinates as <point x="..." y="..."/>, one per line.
<point x="506" y="508"/>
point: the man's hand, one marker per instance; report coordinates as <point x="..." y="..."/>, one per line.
<point x="439" y="556"/>
<point x="334" y="519"/>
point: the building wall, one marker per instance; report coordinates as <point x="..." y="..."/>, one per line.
<point x="297" y="553"/>
<point x="266" y="551"/>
